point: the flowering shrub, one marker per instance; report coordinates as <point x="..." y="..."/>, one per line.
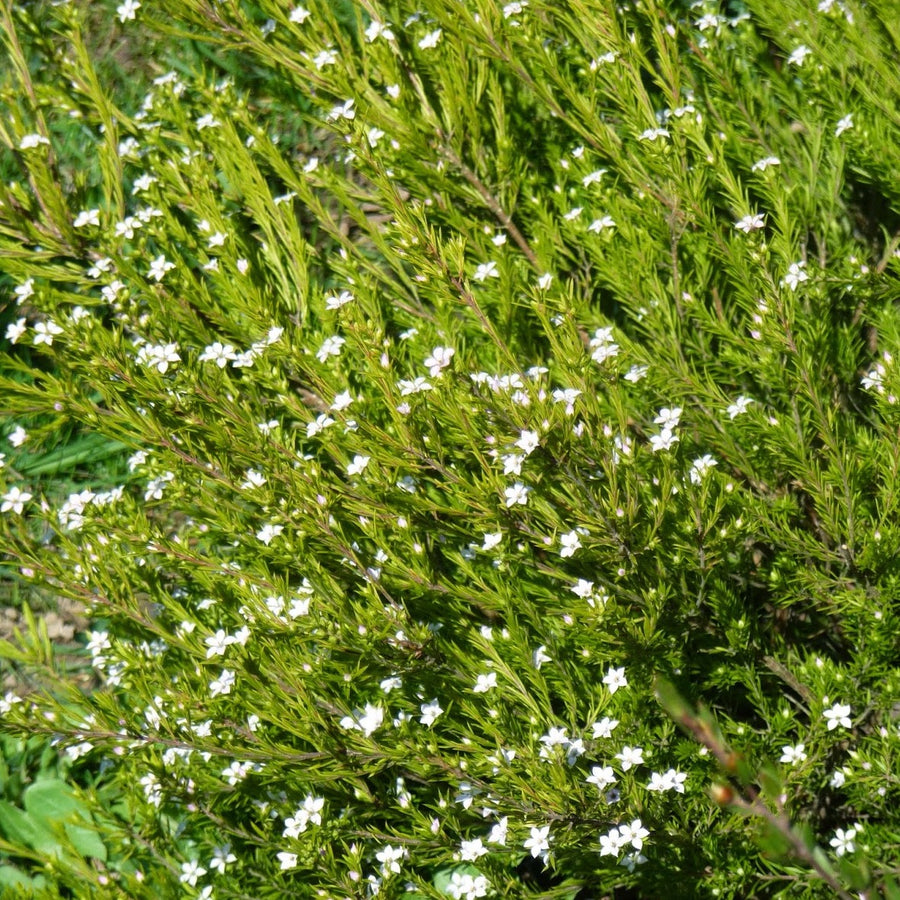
<point x="512" y="503"/>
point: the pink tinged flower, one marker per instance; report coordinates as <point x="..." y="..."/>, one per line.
<point x="839" y="714"/>
<point x="538" y="843"/>
<point x="615" y="678"/>
<point x="440" y="358"/>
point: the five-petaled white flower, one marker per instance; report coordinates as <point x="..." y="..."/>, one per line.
<point x="518" y="493"/>
<point x="839" y="714"/>
<point x="843" y="841"/>
<point x="538" y="843"/>
<point x="751" y="223"/>
<point x="630" y="756"/>
<point x="569" y="543"/>
<point x="615" y="678"/>
<point x="793" y="755"/>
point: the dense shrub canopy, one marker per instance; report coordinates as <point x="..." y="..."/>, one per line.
<point x="482" y="446"/>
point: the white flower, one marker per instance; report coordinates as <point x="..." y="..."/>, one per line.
<point x="653" y="134"/>
<point x="45" y="332"/>
<point x="739" y="407"/>
<point x="390" y="858"/>
<point x="569" y="544"/>
<point x="469" y="851"/>
<point x="843" y="125"/>
<point x="633" y="834"/>
<point x="440" y="358"/>
<point x="430" y="40"/>
<point x="843" y="841"/>
<point x="602" y="776"/>
<point x="751" y="223"/>
<point x="484" y="683"/>
<point x="14" y="500"/>
<point x="30" y="141"/>
<point x="368" y="723"/>
<point x="615" y="678"/>
<point x="762" y="164"/>
<point x="191" y="872"/>
<point x="544" y="281"/>
<point x="539" y="657"/>
<point x="793" y="755"/>
<point x="222" y="684"/>
<point x="663" y="441"/>
<point x="668" y="781"/>
<point x="795" y="275"/>
<point x="498" y="832"/>
<point x="18" y="436"/>
<point x="485" y="271"/>
<point x="358" y="466"/>
<point x="539" y="842"/>
<point x="343" y="110"/>
<point x="15" y="330"/>
<point x="159" y="267"/>
<point x="599" y="224"/>
<point x="287" y="860"/>
<point x="268" y="533"/>
<point x="331" y="346"/>
<point x="518" y="493"/>
<point x="219" y="353"/>
<point x="700" y="467"/>
<point x="491" y="540"/>
<point x="430" y="712"/>
<point x="799" y="55"/>
<point x="630" y="756"/>
<point x="605" y="727"/>
<point x="299" y="15"/>
<point x="87" y="217"/>
<point x="611" y="843"/>
<point x="839" y="714"/>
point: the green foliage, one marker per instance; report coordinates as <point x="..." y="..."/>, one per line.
<point x="513" y="490"/>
